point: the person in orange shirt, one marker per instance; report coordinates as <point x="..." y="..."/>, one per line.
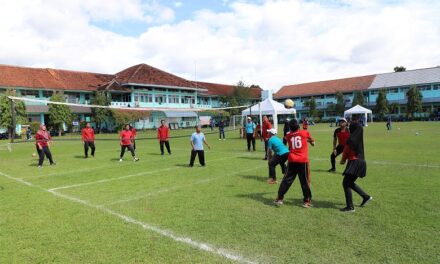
<point x="133" y="134"/>
<point x="266" y="126"/>
<point x="88" y="137"/>
<point x="163" y="134"/>
<point x="126" y="138"/>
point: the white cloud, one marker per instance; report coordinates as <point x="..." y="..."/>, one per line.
<point x="270" y="44"/>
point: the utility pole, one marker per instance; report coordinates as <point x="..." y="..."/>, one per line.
<point x="13" y="120"/>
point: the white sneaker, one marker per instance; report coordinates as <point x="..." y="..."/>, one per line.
<point x="136" y="159"/>
<point x="120" y="160"/>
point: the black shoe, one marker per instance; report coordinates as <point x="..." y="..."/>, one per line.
<point x="332" y="170"/>
<point x="347" y="210"/>
<point x="161" y="153"/>
<point x="169" y="153"/>
<point x="53" y="164"/>
<point x="366" y="200"/>
<point x="264" y="158"/>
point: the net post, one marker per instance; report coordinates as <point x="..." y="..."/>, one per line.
<point x="13" y="121"/>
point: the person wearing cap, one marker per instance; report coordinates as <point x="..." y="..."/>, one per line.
<point x="281" y="153"/>
<point x="266" y="126"/>
<point x="250" y="133"/>
<point x="340" y="136"/>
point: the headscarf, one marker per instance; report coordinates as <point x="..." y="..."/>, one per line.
<point x="43" y="133"/>
<point x="356" y="139"/>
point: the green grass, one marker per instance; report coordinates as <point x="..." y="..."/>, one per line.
<point x="226" y="205"/>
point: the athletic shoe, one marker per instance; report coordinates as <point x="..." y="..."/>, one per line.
<point x="39" y="166"/>
<point x="347" y="210"/>
<point x="264" y="158"/>
<point x="366" y="200"/>
<point x="53" y="164"/>
<point x="331" y="170"/>
<point x="120" y="160"/>
<point x="169" y="153"/>
<point x="161" y="154"/>
<point x="307" y="205"/>
<point x="271" y="181"/>
<point x="136" y="159"/>
<point x="278" y="202"/>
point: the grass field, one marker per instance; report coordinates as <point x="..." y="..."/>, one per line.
<point x="157" y="210"/>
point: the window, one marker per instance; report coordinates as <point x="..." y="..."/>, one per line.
<point x="87" y="97"/>
<point x="160" y="98"/>
<point x="47" y="94"/>
<point x="35" y="93"/>
<point x="424" y="87"/>
<point x="436" y="86"/>
<point x="374" y="92"/>
<point x="393" y="90"/>
<point x="188" y="100"/>
<point x="173" y="99"/>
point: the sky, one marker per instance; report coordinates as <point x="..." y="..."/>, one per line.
<point x="267" y="43"/>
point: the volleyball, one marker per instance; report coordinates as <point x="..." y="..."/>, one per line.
<point x="288" y="103"/>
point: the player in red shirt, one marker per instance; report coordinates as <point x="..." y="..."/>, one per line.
<point x="305" y="123"/>
<point x="163" y="134"/>
<point x="356" y="166"/>
<point x="126" y="138"/>
<point x="88" y="137"/>
<point x="134" y="134"/>
<point x="266" y="126"/>
<point x="298" y="163"/>
<point x="340" y="135"/>
<point x="42" y="140"/>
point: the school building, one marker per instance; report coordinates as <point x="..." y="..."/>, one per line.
<point x="137" y="86"/>
<point x="396" y="84"/>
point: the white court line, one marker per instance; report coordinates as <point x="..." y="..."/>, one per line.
<point x="176" y="188"/>
<point x="125" y="177"/>
<point x="377" y="162"/>
<point x="166" y="233"/>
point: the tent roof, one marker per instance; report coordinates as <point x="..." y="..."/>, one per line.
<point x="358" y="110"/>
<point x="268" y="107"/>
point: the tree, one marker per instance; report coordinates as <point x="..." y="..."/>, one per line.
<point x="340" y="104"/>
<point x="358" y="98"/>
<point x="399" y="69"/>
<point x="59" y="114"/>
<point x="382" y="104"/>
<point x="6" y="112"/>
<point x="241" y="95"/>
<point x="124" y="116"/>
<point x="311" y="104"/>
<point x="414" y="103"/>
<point x="100" y="115"/>
<point x="393" y="108"/>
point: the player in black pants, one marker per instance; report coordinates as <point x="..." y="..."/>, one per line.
<point x="340" y="136"/>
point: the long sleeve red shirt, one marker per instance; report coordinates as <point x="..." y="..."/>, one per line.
<point x="88" y="134"/>
<point x="163" y="133"/>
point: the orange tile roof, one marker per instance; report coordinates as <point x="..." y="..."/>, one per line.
<point x="42" y="78"/>
<point x="225" y="90"/>
<point x="148" y="75"/>
<point x="325" y="87"/>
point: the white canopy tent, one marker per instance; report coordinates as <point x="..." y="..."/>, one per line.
<point x="268" y="107"/>
<point x="358" y="109"/>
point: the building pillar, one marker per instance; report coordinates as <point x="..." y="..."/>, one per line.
<point x="42" y="118"/>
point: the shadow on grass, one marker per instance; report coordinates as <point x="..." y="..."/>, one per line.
<point x="253" y="177"/>
<point x="251" y="158"/>
<point x="326" y="171"/>
<point x="79" y="157"/>
<point x="183" y="165"/>
<point x="260" y="197"/>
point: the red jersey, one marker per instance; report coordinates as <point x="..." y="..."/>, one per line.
<point x="349" y="153"/>
<point x="126" y="137"/>
<point x="299" y="151"/>
<point x="305" y="125"/>
<point x="341" y="135"/>
<point x="163" y="133"/>
<point x="88" y="134"/>
<point x="266" y="126"/>
<point x="133" y="132"/>
<point x="42" y="138"/>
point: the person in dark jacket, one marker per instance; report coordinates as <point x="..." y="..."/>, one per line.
<point x="356" y="166"/>
<point x="221" y="129"/>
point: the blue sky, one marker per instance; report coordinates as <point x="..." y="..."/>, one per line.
<point x="270" y="43"/>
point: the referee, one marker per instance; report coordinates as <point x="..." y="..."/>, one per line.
<point x="340" y="136"/>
